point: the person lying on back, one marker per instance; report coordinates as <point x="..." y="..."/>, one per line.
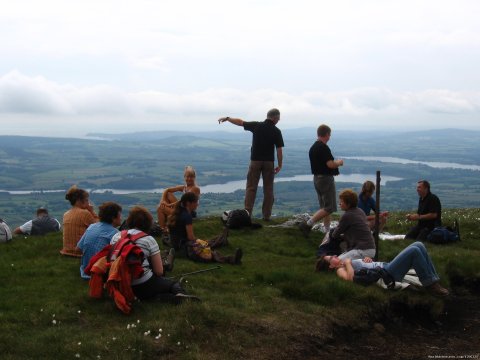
<point x="41" y="225"/>
<point x="414" y="256"/>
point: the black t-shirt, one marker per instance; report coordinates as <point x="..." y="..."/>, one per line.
<point x="430" y="204"/>
<point x="266" y="137"/>
<point x="178" y="233"/>
<point x="319" y="155"/>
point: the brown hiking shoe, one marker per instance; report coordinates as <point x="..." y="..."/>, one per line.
<point x="437" y="290"/>
<point x="305" y="229"/>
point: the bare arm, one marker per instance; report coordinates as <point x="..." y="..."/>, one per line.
<point x="346" y="272"/>
<point x="334" y="164"/>
<point x="415" y="217"/>
<point x="18" y="231"/>
<point x="279" y="160"/>
<point x="235" y="121"/>
<point x="174" y="189"/>
<point x="157" y="265"/>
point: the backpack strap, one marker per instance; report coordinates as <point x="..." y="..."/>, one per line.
<point x="125" y="239"/>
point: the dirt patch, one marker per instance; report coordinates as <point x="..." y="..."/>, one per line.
<point x="413" y="335"/>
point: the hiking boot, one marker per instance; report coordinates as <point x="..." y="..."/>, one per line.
<point x="238" y="256"/>
<point x="305" y="229"/>
<point x="437" y="290"/>
<point x="166" y="239"/>
<point x="168" y="263"/>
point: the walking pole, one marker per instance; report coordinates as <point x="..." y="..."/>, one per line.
<point x="194" y="273"/>
<point x="377" y="214"/>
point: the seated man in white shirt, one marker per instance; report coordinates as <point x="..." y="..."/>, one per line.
<point x="41" y="225"/>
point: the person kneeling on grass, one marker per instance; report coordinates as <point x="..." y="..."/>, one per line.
<point x="180" y="225"/>
<point x="413" y="256"/>
<point x="152" y="284"/>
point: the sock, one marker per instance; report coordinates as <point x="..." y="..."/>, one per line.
<point x="310" y="222"/>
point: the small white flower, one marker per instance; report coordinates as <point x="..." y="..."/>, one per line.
<point x="77" y="355"/>
<point x="41" y="310"/>
<point x="138" y="321"/>
<point x="157" y="337"/>
<point x="128" y="326"/>
<point x="145" y="333"/>
<point x="54" y="322"/>
<point x="79" y="343"/>
<point x="53" y="315"/>
<point x="178" y="343"/>
<point x="114" y="338"/>
<point x="160" y="330"/>
<point x="79" y="311"/>
<point x="12" y="265"/>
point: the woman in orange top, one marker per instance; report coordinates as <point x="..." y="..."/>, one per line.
<point x="76" y="220"/>
<point x="169" y="201"/>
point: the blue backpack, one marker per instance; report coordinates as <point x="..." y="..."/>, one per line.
<point x="444" y="234"/>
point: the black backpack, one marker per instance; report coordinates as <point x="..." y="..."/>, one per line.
<point x="236" y="219"/>
<point x="443" y="235"/>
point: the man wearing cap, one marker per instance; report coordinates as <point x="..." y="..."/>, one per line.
<point x="41" y="225"/>
<point x="266" y="138"/>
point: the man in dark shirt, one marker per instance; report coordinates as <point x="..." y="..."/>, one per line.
<point x="266" y="138"/>
<point x="324" y="167"/>
<point x="429" y="213"/>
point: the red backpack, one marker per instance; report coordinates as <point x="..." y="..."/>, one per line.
<point x="114" y="267"/>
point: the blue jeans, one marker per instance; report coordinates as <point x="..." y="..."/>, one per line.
<point x="413" y="256"/>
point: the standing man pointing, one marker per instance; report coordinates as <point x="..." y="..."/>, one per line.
<point x="266" y="138"/>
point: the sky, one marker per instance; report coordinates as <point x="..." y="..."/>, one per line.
<point x="69" y="68"/>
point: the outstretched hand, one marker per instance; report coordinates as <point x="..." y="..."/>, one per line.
<point x="222" y="119"/>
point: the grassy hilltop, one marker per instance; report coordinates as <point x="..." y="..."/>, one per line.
<point x="273" y="306"/>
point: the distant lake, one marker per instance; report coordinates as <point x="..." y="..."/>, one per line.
<point x="231" y="186"/>
<point x="433" y="164"/>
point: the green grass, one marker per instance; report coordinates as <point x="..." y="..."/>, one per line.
<point x="273" y="305"/>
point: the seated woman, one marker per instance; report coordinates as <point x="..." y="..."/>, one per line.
<point x="353" y="228"/>
<point x="152" y="284"/>
<point x="169" y="201"/>
<point x="367" y="203"/>
<point x="99" y="234"/>
<point x="413" y="256"/>
<point x="182" y="237"/>
<point x="76" y="220"/>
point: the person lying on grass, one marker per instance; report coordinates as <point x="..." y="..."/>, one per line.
<point x="182" y="238"/>
<point x="413" y="256"/>
<point x="167" y="204"/>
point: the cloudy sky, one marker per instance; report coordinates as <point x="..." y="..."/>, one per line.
<point x="74" y="67"/>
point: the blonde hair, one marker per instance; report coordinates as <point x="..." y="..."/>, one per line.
<point x="189" y="170"/>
